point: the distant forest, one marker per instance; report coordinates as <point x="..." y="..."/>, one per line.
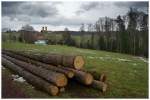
<point x="125" y="34"/>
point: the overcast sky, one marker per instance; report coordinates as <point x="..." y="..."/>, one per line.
<point x="58" y="15"/>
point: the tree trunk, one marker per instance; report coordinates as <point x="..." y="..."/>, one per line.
<point x="99" y="85"/>
<point x="56" y="78"/>
<point x="32" y="79"/>
<point x="82" y="77"/>
<point x="101" y="77"/>
<point x="76" y="62"/>
<point x="69" y="74"/>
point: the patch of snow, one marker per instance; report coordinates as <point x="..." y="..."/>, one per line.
<point x="87" y="52"/>
<point x="110" y="58"/>
<point x="18" y="78"/>
<point x="91" y="57"/>
<point x="15" y="76"/>
<point x="144" y="60"/>
<point x="124" y="60"/>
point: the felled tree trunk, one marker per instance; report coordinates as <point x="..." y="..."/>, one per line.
<point x="99" y="85"/>
<point x="76" y="62"/>
<point x="69" y="74"/>
<point x="56" y="78"/>
<point x="101" y="77"/>
<point x="32" y="79"/>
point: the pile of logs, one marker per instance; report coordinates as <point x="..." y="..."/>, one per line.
<point x="51" y="72"/>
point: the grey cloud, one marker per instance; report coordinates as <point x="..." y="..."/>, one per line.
<point x="58" y="21"/>
<point x="100" y="5"/>
<point x="10" y="4"/>
<point x="26" y="12"/>
<point x="14" y="9"/>
<point x="87" y="7"/>
<point x="10" y="8"/>
<point x="132" y="4"/>
<point x="40" y="9"/>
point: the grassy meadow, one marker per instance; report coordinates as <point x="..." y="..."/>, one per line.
<point x="127" y="75"/>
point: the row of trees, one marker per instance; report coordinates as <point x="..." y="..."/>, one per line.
<point x="125" y="34"/>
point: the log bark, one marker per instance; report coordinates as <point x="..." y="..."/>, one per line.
<point x="52" y="59"/>
<point x="32" y="79"/>
<point x="99" y="85"/>
<point x="69" y="74"/>
<point x="76" y="62"/>
<point x="81" y="76"/>
<point x="98" y="76"/>
<point x="58" y="79"/>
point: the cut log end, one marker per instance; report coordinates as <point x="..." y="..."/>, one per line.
<point x="53" y="90"/>
<point x="78" y="62"/>
<point x="88" y="79"/>
<point x="70" y="74"/>
<point x="62" y="81"/>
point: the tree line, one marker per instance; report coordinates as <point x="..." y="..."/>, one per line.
<point x="124" y="34"/>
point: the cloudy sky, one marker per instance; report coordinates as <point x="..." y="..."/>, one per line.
<point x="58" y="15"/>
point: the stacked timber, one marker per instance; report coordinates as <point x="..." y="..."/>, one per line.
<point x="76" y="62"/>
<point x="52" y="70"/>
<point x="34" y="80"/>
<point x="69" y="74"/>
<point x="89" y="78"/>
<point x="81" y="76"/>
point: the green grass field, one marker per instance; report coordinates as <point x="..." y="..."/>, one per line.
<point x="127" y="74"/>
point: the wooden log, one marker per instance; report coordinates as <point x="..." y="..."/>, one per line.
<point x="81" y="76"/>
<point x="69" y="74"/>
<point x="98" y="76"/>
<point x="48" y="58"/>
<point x="76" y="62"/>
<point x="99" y="85"/>
<point x="73" y="61"/>
<point x="58" y="79"/>
<point x="32" y="79"/>
<point x="53" y="59"/>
